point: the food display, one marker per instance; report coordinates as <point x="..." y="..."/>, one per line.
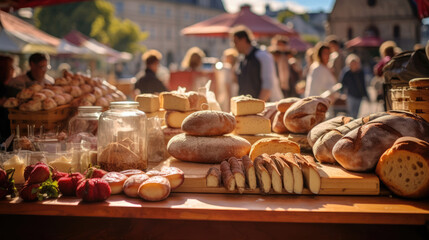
<point x="209" y="123"/>
<point x="273" y="145"/>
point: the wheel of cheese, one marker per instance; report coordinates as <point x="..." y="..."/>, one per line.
<point x="214" y="149"/>
<point x="208" y="123"/>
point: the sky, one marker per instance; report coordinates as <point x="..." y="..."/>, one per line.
<point x="299" y="6"/>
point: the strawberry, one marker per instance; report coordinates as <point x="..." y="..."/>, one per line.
<point x="56" y="175"/>
<point x="97" y="172"/>
<point x="93" y="190"/>
<point x="68" y="184"/>
<point x="29" y="192"/>
<point x="30" y="168"/>
<point x="39" y="174"/>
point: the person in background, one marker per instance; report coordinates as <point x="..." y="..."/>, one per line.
<point x="226" y="82"/>
<point x="150" y="83"/>
<point x="39" y="65"/>
<point x="6" y="75"/>
<point x="354" y="85"/>
<point x="336" y="58"/>
<point x="193" y="60"/>
<point x="256" y="72"/>
<point x="387" y="52"/>
<point x="319" y="78"/>
<point x="286" y="73"/>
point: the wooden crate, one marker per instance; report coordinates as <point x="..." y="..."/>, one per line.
<point x="53" y="119"/>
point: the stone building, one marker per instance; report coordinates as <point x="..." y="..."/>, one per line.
<point x="387" y="19"/>
<point x="164" y="19"/>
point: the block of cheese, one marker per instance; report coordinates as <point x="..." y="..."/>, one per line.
<point x="160" y="113"/>
<point x="245" y="105"/>
<point x="252" y="124"/>
<point x="148" y="103"/>
<point x="174" y="101"/>
<point x="174" y="119"/>
<point x="272" y="146"/>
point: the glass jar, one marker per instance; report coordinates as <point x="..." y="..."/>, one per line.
<point x="86" y="120"/>
<point x="121" y="139"/>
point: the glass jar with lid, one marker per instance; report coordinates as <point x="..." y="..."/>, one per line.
<point x="121" y="139"/>
<point x="86" y="120"/>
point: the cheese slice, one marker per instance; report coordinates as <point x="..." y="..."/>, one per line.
<point x="252" y="124"/>
<point x="174" y="119"/>
<point x="244" y="105"/>
<point x="148" y="103"/>
<point x="174" y="101"/>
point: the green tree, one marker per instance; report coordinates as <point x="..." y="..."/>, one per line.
<point x="95" y="19"/>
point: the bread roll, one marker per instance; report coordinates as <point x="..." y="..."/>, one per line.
<point x="49" y="93"/>
<point x="56" y="89"/>
<point x="25" y="93"/>
<point x="11" y="103"/>
<point x="60" y="100"/>
<point x="34" y="105"/>
<point x="322" y="128"/>
<point x="67" y="97"/>
<point x="175" y="176"/>
<point x="102" y="102"/>
<point x="97" y="92"/>
<point x="284" y="104"/>
<point x="306" y="113"/>
<point x="39" y="96"/>
<point x="115" y="180"/>
<point x="75" y="91"/>
<point x="132" y="184"/>
<point x="322" y="148"/>
<point x="207" y="149"/>
<point x="86" y="88"/>
<point x="49" y="103"/>
<point x="361" y="148"/>
<point x="273" y="145"/>
<point x="67" y="89"/>
<point x="278" y="126"/>
<point x="131" y="172"/>
<point x="155" y="189"/>
<point x="61" y="81"/>
<point x="208" y="123"/>
<point x="36" y="87"/>
<point x="404" y="168"/>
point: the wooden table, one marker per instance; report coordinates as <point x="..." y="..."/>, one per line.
<point x="219" y="216"/>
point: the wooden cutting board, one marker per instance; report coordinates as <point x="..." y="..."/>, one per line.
<point x="335" y="180"/>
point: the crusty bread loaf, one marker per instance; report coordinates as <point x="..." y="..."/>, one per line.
<point x="361" y="148"/>
<point x="207" y="149"/>
<point x="208" y="123"/>
<point x="324" y="127"/>
<point x="404" y="168"/>
<point x="284" y="104"/>
<point x="273" y="145"/>
<point x="246" y="105"/>
<point x="322" y="148"/>
<point x="278" y="125"/>
<point x="303" y="115"/>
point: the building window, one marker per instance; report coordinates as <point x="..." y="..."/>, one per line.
<point x="396" y="31"/>
<point x="372" y="3"/>
<point x="168" y="12"/>
<point x="119" y="6"/>
<point x="142" y="9"/>
<point x="152" y="10"/>
<point x="349" y="33"/>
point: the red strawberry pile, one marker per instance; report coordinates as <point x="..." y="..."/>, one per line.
<point x="38" y="183"/>
<point x="7" y="184"/>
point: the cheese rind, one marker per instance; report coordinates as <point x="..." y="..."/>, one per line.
<point x="174" y="119"/>
<point x="252" y="124"/>
<point x="148" y="103"/>
<point x="244" y="105"/>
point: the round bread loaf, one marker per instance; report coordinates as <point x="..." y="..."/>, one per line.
<point x="284" y="104"/>
<point x="404" y="168"/>
<point x="324" y="127"/>
<point x="207" y="149"/>
<point x="208" y="123"/>
<point x="278" y="126"/>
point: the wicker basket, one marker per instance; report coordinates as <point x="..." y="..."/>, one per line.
<point x="54" y="119"/>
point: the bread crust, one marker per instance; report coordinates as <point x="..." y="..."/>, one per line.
<point x="324" y="127"/>
<point x="278" y="126"/>
<point x="284" y="104"/>
<point x="273" y="145"/>
<point x="209" y="123"/>
<point x="419" y="83"/>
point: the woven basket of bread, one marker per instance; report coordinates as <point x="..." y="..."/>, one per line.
<point x="56" y="118"/>
<point x="418" y="93"/>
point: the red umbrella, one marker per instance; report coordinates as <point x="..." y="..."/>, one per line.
<point x="364" y="42"/>
<point x="222" y="24"/>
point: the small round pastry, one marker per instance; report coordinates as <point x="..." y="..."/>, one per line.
<point x="155" y="189"/>
<point x="56" y="89"/>
<point x="67" y="97"/>
<point x="67" y="89"/>
<point x="75" y="82"/>
<point x="97" y="92"/>
<point x="86" y="88"/>
<point x="75" y="91"/>
<point x="36" y="87"/>
<point x="60" y="100"/>
<point x="131" y="172"/>
<point x="153" y="173"/>
<point x="133" y="183"/>
<point x="61" y="81"/>
<point x="175" y="176"/>
<point x="11" y="103"/>
<point x="38" y="96"/>
<point x="49" y="103"/>
<point x="25" y="93"/>
<point x="34" y="105"/>
<point x="47" y="92"/>
<point x="89" y="97"/>
<point x="116" y="181"/>
<point x="102" y="102"/>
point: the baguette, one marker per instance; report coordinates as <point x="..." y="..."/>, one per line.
<point x="227" y="176"/>
<point x="262" y="174"/>
<point x="213" y="177"/>
<point x="309" y="170"/>
<point x="285" y="171"/>
<point x="237" y="171"/>
<point x="250" y="172"/>
<point x="276" y="178"/>
<point x="298" y="182"/>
